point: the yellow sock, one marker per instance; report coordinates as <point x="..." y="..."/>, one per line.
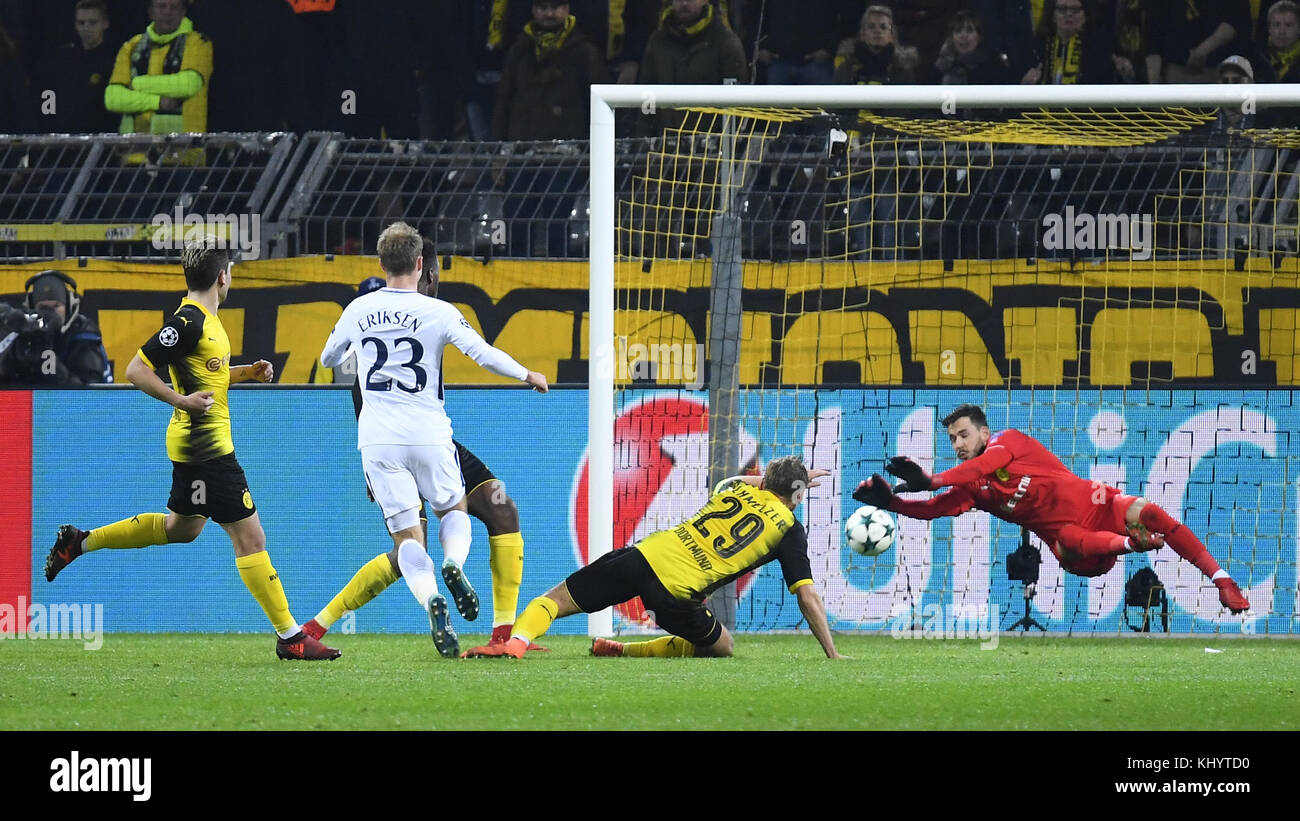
<point x="261" y="580"/>
<point x="138" y="531"/>
<point x="506" y="558"/>
<point x="373" y="578"/>
<point x="664" y="647"/>
<point x="537" y="618"/>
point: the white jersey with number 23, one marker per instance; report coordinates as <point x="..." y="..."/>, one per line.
<point x="399" y="337"/>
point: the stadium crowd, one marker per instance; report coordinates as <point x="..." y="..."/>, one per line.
<point x="518" y="69"/>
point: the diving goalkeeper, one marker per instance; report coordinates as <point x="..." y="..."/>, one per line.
<point x="1087" y="525"/>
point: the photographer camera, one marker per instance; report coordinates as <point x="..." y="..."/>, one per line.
<point x="48" y="341"/>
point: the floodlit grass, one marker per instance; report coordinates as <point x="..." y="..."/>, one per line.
<point x="223" y="681"/>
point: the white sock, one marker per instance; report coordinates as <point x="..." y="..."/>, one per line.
<point x="291" y="632"/>
<point x="455" y="534"/>
<point x="1221" y="574"/>
<point x="417" y="569"/>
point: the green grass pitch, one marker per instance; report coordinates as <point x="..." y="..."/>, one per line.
<point x="223" y="681"/>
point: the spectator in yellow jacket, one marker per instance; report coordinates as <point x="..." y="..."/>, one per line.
<point x="160" y="80"/>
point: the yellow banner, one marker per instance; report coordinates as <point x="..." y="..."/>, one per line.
<point x="973" y="323"/>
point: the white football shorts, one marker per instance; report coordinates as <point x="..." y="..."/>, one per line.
<point x="398" y="475"/>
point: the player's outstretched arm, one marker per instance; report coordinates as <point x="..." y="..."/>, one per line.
<point x="537" y="381"/>
<point x="875" y="492"/>
<point x="142" y="376"/>
<point x="491" y="358"/>
<point x="814" y="610"/>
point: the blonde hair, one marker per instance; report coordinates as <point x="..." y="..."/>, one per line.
<point x="202" y="260"/>
<point x="399" y="247"/>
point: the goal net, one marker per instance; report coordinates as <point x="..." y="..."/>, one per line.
<point x="829" y="271"/>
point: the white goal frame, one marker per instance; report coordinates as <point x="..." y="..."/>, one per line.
<point x="939" y="99"/>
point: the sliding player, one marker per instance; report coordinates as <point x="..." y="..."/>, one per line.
<point x="207" y="480"/>
<point x="747" y="523"/>
<point x="1087" y="525"/>
<point x="403" y="431"/>
<point x="487" y="501"/>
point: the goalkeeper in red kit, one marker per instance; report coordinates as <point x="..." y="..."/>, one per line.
<point x="1087" y="524"/>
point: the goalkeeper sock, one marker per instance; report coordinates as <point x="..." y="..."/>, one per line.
<point x="373" y="578"/>
<point x="262" y="581"/>
<point x="455" y="535"/>
<point x="665" y="647"/>
<point x="138" y="531"/>
<point x="417" y="569"/>
<point x="536" y="619"/>
<point x="506" y="558"/>
<point x="1179" y="537"/>
<point x="1090" y="544"/>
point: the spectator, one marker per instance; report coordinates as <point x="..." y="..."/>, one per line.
<point x="54" y="343"/>
<point x="693" y="45"/>
<point x="1071" y="51"/>
<point x="544" y="92"/>
<point x="875" y="57"/>
<point x="965" y="59"/>
<point x="160" y="81"/>
<point x="1198" y="36"/>
<point x="796" y="44"/>
<point x="77" y="73"/>
<point x="1009" y="27"/>
<point x="1135" y="28"/>
<point x="1283" y="44"/>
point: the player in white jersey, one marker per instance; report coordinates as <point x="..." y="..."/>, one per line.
<point x="403" y="433"/>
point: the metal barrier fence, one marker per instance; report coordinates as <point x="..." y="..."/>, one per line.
<point x="890" y="197"/>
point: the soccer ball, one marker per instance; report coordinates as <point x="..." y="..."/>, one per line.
<point x="870" y="531"/>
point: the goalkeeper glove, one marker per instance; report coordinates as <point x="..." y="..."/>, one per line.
<point x="875" y="492"/>
<point x="913" y="475"/>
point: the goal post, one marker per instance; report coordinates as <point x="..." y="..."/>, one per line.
<point x="1040" y="346"/>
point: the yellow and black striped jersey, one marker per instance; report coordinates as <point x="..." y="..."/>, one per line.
<point x="741" y="528"/>
<point x="194" y="347"/>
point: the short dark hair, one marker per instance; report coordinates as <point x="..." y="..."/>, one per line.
<point x="965" y="18"/>
<point x="429" y="276"/>
<point x="785" y="476"/>
<point x="202" y="261"/>
<point x="92" y="5"/>
<point x="974" y="412"/>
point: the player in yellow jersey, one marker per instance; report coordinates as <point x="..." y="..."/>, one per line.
<point x="207" y="481"/>
<point x="747" y="523"/>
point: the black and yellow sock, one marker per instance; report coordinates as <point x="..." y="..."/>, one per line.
<point x="664" y="647"/>
<point x="138" y="531"/>
<point x="262" y="581"/>
<point x="506" y="559"/>
<point x="537" y="618"/>
<point x="373" y="578"/>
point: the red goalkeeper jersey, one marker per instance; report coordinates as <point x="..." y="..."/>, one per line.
<point x="1020" y="481"/>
